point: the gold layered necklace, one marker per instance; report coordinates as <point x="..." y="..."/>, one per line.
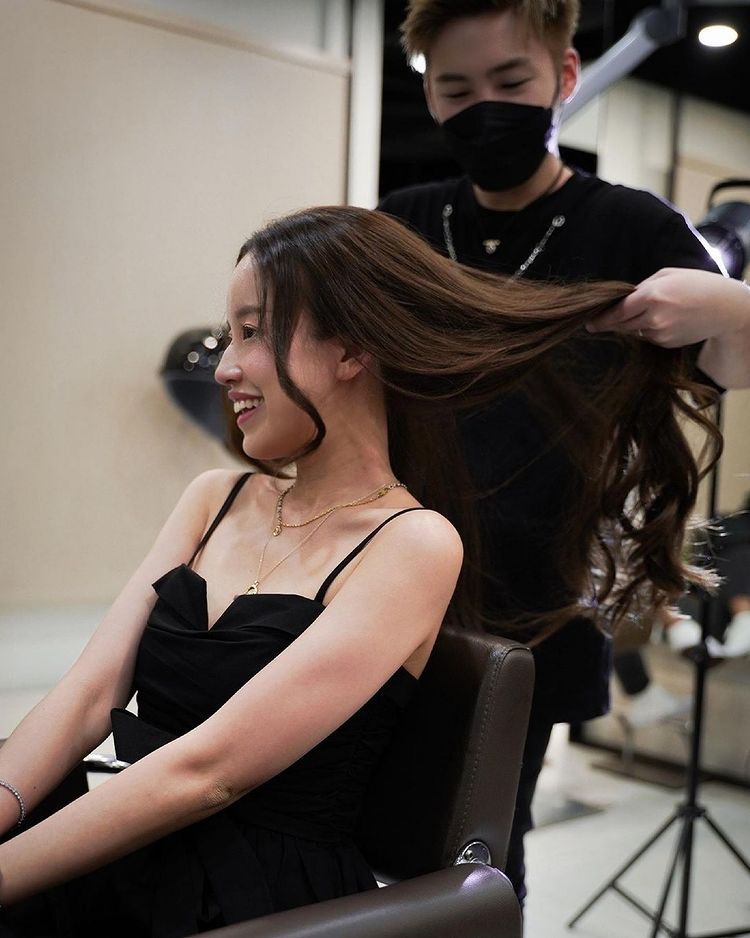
<point x="279" y="524"/>
<point x="373" y="496"/>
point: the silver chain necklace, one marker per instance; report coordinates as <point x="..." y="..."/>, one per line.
<point x="557" y="222"/>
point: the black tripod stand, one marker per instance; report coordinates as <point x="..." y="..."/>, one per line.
<point x="687" y="814"/>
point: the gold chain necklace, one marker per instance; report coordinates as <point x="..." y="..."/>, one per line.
<point x="280" y="524"/>
<point x="254" y="587"/>
<point x="321" y="518"/>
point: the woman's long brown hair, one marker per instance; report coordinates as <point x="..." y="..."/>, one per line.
<point x="446" y="339"/>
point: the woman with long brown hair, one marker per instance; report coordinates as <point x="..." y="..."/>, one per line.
<point x="291" y="615"/>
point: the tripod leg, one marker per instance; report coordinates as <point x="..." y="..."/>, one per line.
<point x="623" y="869"/>
<point x="686" y="871"/>
<point x="659" y="914"/>
<point x="726" y="841"/>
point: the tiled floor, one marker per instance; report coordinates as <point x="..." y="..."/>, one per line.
<point x="569" y="861"/>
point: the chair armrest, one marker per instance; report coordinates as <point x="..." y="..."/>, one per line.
<point x="469" y="899"/>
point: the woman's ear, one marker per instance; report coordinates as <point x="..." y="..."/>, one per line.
<point x="353" y="360"/>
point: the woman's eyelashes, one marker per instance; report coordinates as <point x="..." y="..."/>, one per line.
<point x="243" y="332"/>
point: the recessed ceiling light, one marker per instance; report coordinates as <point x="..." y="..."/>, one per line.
<point x="717" y="35"/>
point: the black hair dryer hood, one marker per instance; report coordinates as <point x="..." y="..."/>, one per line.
<point x="188" y="376"/>
<point x="726" y="228"/>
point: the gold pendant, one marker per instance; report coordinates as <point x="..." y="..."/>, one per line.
<point x="491" y="245"/>
<point x="252" y="589"/>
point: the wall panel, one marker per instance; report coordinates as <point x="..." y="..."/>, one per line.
<point x="134" y="160"/>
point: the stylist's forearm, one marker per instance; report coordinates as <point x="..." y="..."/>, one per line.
<point x="726" y="357"/>
<point x="167" y="790"/>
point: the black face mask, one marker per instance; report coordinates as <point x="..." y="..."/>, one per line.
<point x="499" y="144"/>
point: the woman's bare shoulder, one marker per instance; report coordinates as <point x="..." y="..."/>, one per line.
<point x="208" y="490"/>
<point x="428" y="536"/>
<point x="418" y="554"/>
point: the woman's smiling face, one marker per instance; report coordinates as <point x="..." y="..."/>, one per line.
<point x="273" y="426"/>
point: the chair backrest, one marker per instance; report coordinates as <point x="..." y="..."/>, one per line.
<point x="450" y="777"/>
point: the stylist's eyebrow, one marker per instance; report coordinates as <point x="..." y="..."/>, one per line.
<point x="446" y="77"/>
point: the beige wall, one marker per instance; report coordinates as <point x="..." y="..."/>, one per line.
<point x="291" y="24"/>
<point x="135" y="159"/>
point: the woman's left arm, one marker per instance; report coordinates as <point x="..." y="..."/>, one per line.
<point x="677" y="307"/>
<point x="391" y="604"/>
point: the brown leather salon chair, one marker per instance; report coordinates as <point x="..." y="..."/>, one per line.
<point x="438" y="816"/>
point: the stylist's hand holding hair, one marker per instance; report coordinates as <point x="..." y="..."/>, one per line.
<point x="676" y="307"/>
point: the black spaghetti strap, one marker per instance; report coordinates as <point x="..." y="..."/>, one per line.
<point x="222" y="511"/>
<point x="320" y="595"/>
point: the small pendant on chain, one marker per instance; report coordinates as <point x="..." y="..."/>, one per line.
<point x="491" y="245"/>
<point x="252" y="589"/>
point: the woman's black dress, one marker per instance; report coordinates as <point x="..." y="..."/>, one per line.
<point x="287" y="843"/>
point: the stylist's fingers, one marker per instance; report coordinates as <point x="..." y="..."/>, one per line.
<point x="626" y="316"/>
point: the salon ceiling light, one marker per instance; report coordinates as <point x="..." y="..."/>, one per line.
<point x="717" y="35"/>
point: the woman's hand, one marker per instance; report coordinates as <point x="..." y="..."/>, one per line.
<point x="677" y="307"/>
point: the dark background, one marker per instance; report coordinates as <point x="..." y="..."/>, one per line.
<point x="411" y="147"/>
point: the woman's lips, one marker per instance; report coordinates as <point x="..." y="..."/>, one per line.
<point x="247" y="414"/>
<point x="245" y="403"/>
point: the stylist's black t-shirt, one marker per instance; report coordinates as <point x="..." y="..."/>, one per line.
<point x="608" y="233"/>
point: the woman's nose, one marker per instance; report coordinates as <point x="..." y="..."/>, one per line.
<point x="227" y="371"/>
